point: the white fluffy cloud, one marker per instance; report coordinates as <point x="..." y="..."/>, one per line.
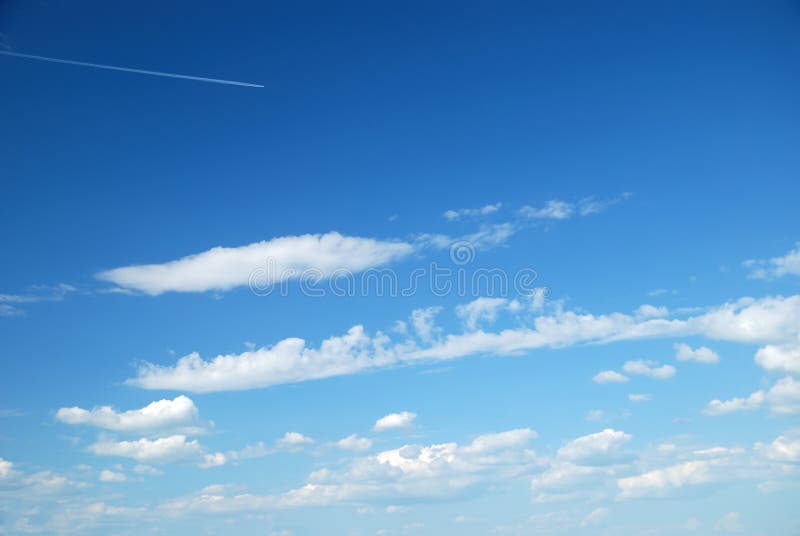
<point x="662" y="482"/>
<point x="410" y="472"/>
<point x="5" y="468"/>
<point x="393" y="421"/>
<point x="779" y="358"/>
<point x="684" y="352"/>
<point x="178" y="415"/>
<point x="639" y="397"/>
<point x="111" y="476"/>
<point x="784" y="396"/>
<point x="609" y="376"/>
<point x="770" y="320"/>
<point x="783" y="399"/>
<point x="601" y="448"/>
<point x="788" y="264"/>
<point x="294" y="439"/>
<point x="723" y="407"/>
<point x="262" y="263"/>
<point x="649" y="369"/>
<point x="355" y="443"/>
<point x="164" y="450"/>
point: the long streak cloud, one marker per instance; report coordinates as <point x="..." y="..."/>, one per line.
<point x="129" y="70"/>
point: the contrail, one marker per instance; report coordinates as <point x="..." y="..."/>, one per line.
<point x="129" y="70"/>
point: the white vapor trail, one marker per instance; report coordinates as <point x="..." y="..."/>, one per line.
<point x="129" y="70"/>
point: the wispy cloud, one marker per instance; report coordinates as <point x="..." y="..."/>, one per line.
<point x="775" y="267"/>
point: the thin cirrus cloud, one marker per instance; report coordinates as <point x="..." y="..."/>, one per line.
<point x="556" y="209"/>
<point x="770" y="320"/>
<point x="263" y="263"/>
<point x="179" y="415"/>
<point x="452" y="215"/>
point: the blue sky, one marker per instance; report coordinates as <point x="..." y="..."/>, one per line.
<point x="177" y="354"/>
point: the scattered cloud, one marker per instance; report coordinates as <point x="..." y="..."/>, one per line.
<point x="720" y="407"/>
<point x="601" y="448"/>
<point x="355" y="443"/>
<point x="481" y="310"/>
<point x="649" y="369"/>
<point x="452" y="215"/>
<point x="394" y="421"/>
<point x="783" y="398"/>
<point x="779" y="358"/>
<point x="164" y="450"/>
<point x="730" y="522"/>
<point x="294" y="439"/>
<point x="775" y="267"/>
<point x="555" y="209"/>
<point x="179" y="415"/>
<point x="609" y="376"/>
<point x="408" y="473"/>
<point x="702" y="354"/>
<point x="636" y="397"/>
<point x="111" y="476"/>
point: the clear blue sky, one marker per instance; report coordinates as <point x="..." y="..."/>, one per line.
<point x="642" y="158"/>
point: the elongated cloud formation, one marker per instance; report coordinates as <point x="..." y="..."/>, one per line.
<point x="129" y="70"/>
<point x="767" y="320"/>
<point x="260" y="264"/>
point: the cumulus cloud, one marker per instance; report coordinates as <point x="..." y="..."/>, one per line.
<point x="111" y="476"/>
<point x="354" y="443"/>
<point x="639" y="397"/>
<point x="294" y="439"/>
<point x="720" y="407"/>
<point x="783" y="398"/>
<point x="262" y="263"/>
<point x="684" y="352"/>
<point x="5" y="468"/>
<point x="609" y="376"/>
<point x="779" y="358"/>
<point x="164" y="450"/>
<point x="661" y="482"/>
<point x="601" y="448"/>
<point x="775" y="267"/>
<point x="649" y="369"/>
<point x="410" y="472"/>
<point x="770" y="320"/>
<point x="394" y="421"/>
<point x="785" y="448"/>
<point x="178" y="415"/>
